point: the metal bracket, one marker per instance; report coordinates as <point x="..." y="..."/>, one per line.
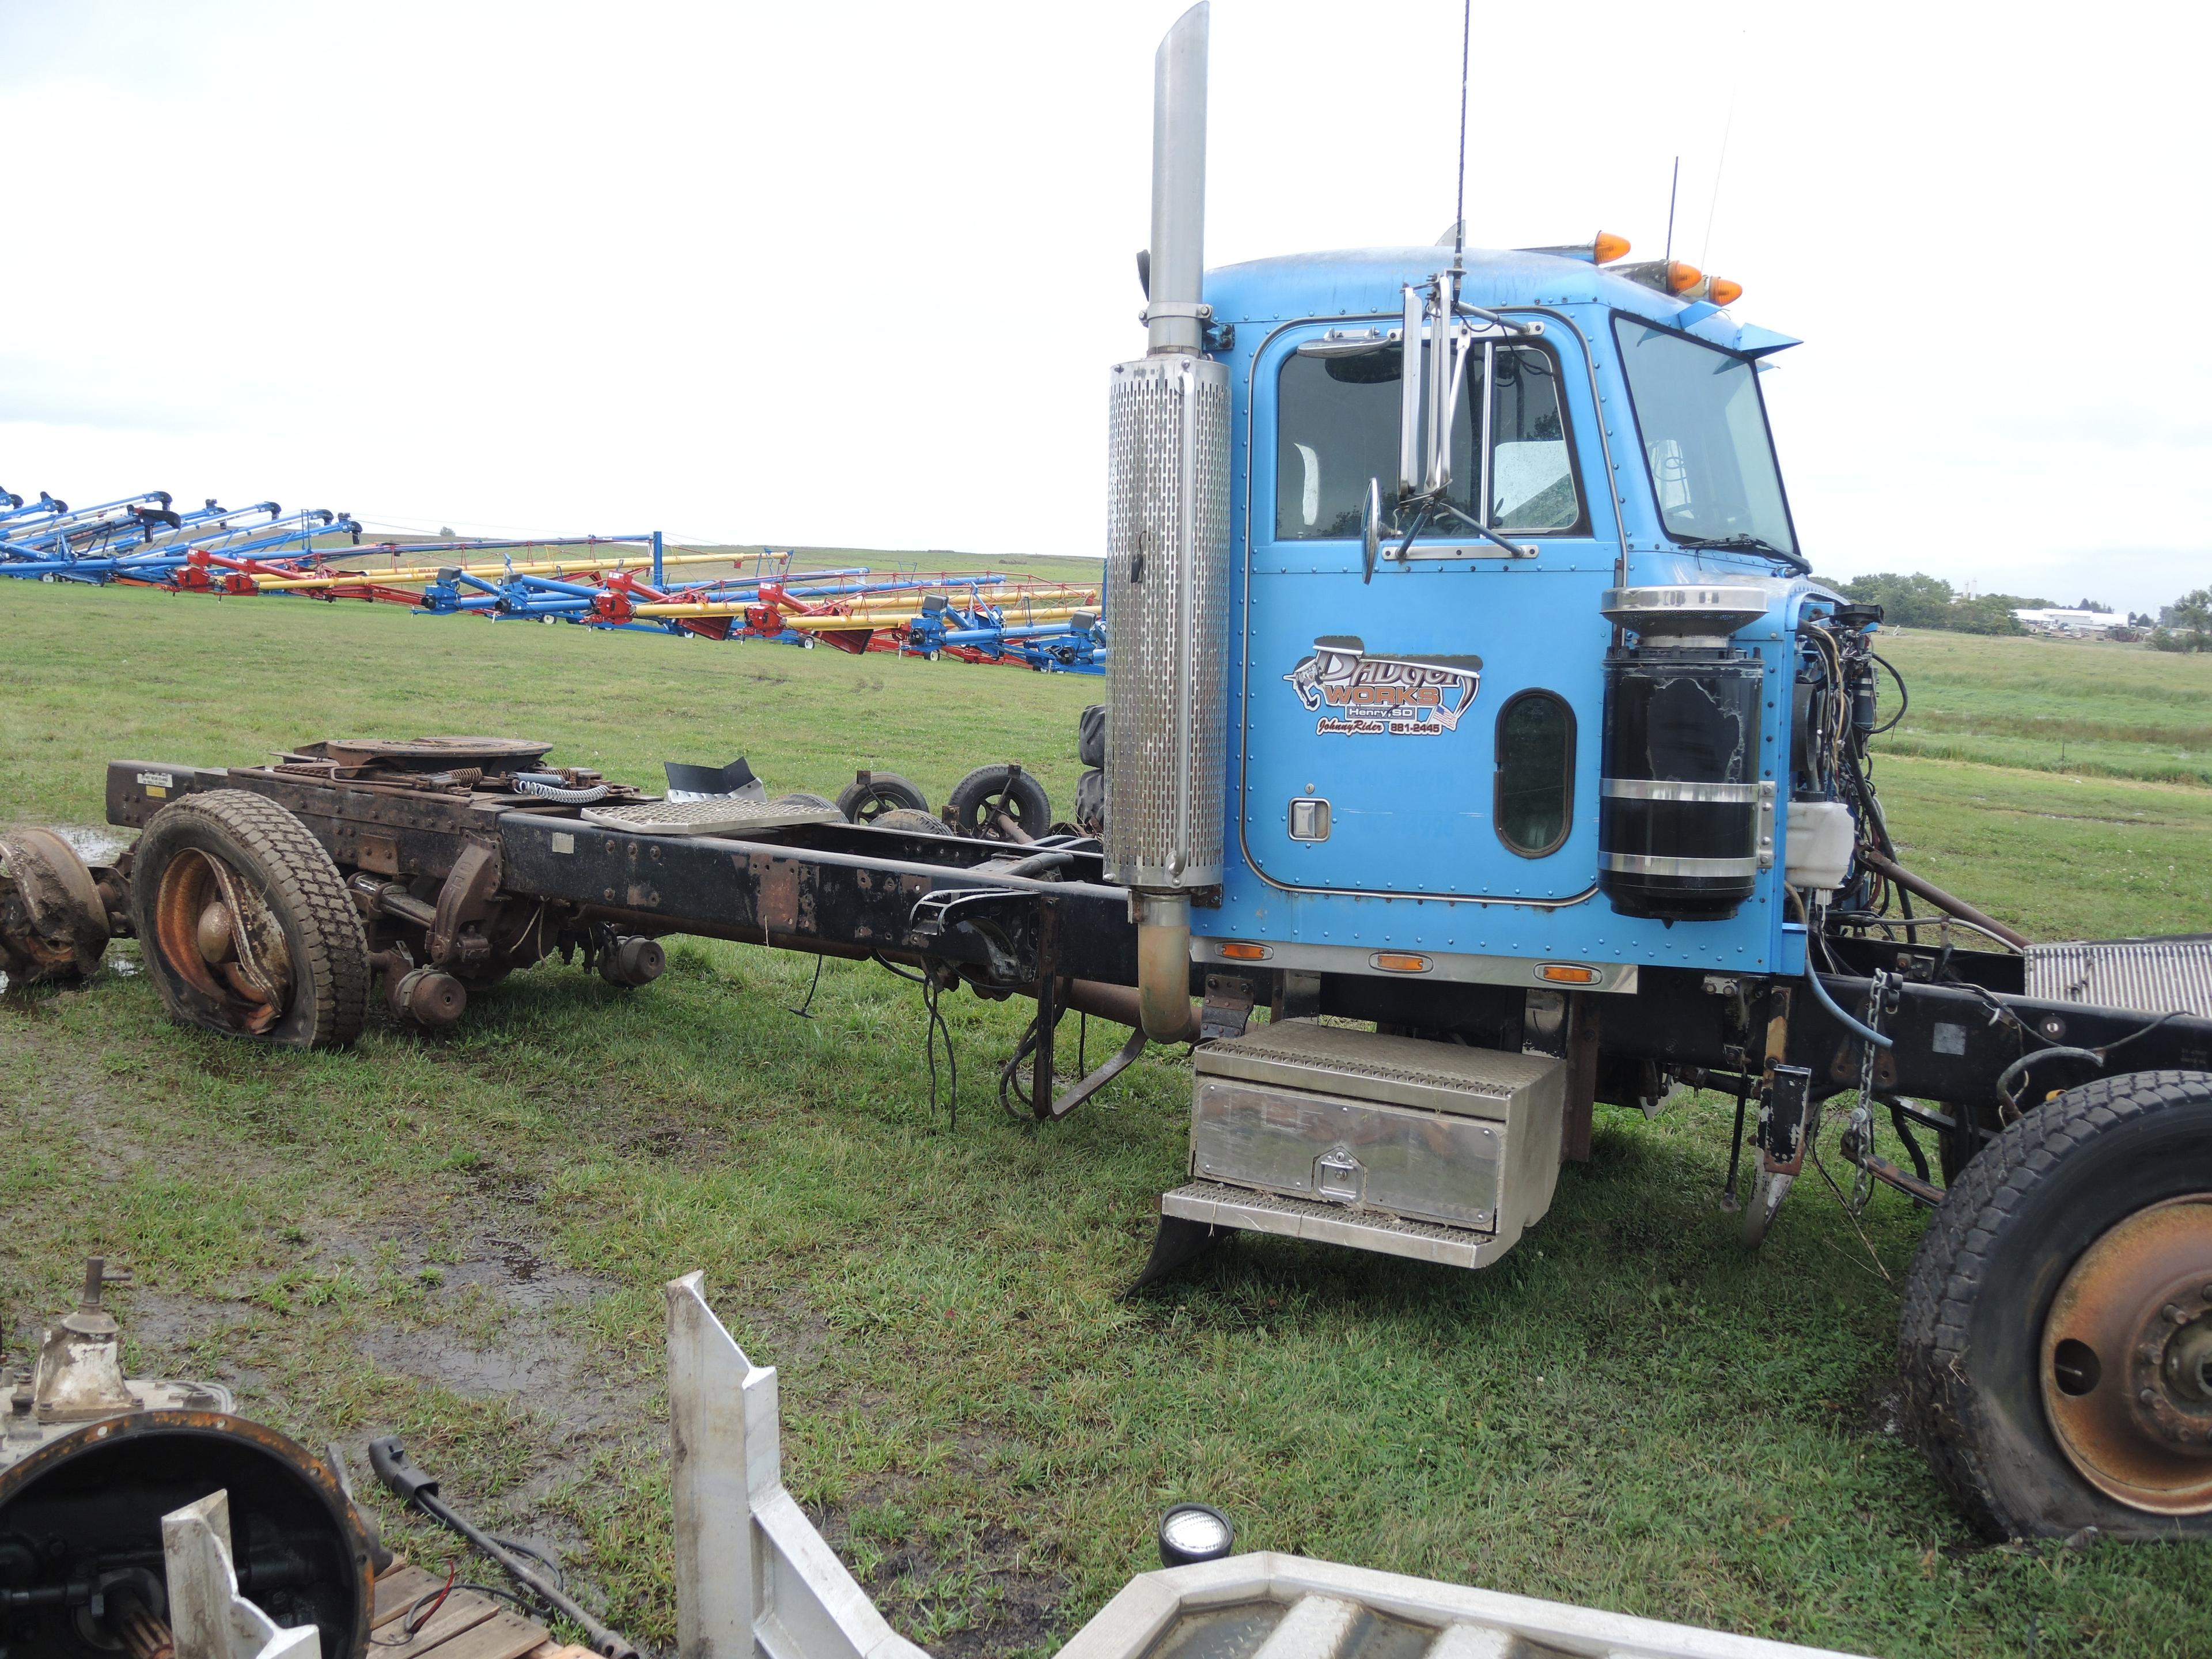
<point x="1782" y="1111"/>
<point x="1767" y="824"/>
<point x="1229" y="999"/>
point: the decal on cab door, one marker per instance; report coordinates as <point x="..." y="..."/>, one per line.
<point x="1360" y="693"/>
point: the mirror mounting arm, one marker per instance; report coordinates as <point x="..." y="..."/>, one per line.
<point x="1518" y="549"/>
<point x="1497" y="319"/>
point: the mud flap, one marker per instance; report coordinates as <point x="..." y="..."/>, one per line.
<point x="1178" y="1242"/>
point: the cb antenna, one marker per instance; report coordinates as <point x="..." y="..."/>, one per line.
<point x="1459" y="215"/>
<point x="1672" y="188"/>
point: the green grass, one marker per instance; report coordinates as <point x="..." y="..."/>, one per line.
<point x="1627" y="1412"/>
<point x="2086" y="707"/>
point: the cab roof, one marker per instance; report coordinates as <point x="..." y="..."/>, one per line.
<point x="1367" y="281"/>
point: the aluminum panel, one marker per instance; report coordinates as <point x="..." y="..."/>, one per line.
<point x="2157" y="975"/>
<point x="1427" y="1166"/>
<point x="1410" y="1072"/>
<point x="1167" y="614"/>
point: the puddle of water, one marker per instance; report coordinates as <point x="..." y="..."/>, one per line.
<point x="95" y="843"/>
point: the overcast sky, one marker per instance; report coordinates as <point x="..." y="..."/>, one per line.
<point x="853" y="274"/>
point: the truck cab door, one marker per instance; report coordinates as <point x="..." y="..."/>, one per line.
<point x="1432" y="731"/>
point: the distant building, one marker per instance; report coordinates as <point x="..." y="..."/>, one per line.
<point x="2074" y="624"/>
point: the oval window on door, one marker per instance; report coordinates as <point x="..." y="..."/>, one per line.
<point x="1536" y="771"/>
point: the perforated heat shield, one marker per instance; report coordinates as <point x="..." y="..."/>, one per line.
<point x="1167" y="618"/>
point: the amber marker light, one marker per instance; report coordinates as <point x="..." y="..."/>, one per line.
<point x="1246" y="952"/>
<point x="1723" y="292"/>
<point x="1399" y="962"/>
<point x="1682" y="277"/>
<point x="1607" y="248"/>
<point x="1568" y="973"/>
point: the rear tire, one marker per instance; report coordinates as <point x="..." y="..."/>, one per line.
<point x="301" y="980"/>
<point x="883" y="792"/>
<point x="2044" y="1229"/>
<point x="976" y="800"/>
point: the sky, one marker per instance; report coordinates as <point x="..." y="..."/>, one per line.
<point x="854" y="274"/>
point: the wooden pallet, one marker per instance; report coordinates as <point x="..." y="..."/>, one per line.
<point x="469" y="1625"/>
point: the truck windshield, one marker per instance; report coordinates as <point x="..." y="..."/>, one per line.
<point x="1705" y="433"/>
<point x="1337" y="427"/>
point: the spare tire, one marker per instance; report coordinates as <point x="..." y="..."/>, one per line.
<point x="1091" y="735"/>
<point x="978" y="799"/>
<point x="882" y="791"/>
<point x="802" y="798"/>
<point x="1091" y="802"/>
<point x="908" y="822"/>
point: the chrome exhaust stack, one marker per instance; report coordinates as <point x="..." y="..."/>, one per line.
<point x="1167" y="563"/>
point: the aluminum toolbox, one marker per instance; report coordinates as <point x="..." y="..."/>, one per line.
<point x="1380" y="1127"/>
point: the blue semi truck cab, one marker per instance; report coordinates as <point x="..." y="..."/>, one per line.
<point x="1467" y="678"/>
<point x="1476" y="718"/>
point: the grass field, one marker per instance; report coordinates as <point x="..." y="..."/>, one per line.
<point x="2084" y="707"/>
<point x="460" y="1238"/>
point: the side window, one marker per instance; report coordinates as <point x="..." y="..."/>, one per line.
<point x="1535" y="773"/>
<point x="1336" y="427"/>
<point x="1532" y="478"/>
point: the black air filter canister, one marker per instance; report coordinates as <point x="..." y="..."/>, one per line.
<point x="1678" y="821"/>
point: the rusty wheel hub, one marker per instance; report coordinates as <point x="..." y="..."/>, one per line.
<point x="213" y="930"/>
<point x="2127" y="1360"/>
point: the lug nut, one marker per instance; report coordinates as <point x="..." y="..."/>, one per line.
<point x="2148" y="1396"/>
<point x="2173" y="1314"/>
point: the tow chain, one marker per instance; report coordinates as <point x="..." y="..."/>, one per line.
<point x="1858" y="1136"/>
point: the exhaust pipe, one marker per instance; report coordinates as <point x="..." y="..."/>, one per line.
<point x="1167" y="563"/>
<point x="1172" y="320"/>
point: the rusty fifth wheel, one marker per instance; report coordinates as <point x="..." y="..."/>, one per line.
<point x="2057" y="1338"/>
<point x="53" y="922"/>
<point x="246" y="926"/>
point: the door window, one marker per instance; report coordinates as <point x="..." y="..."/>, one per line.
<point x="1337" y="427"/>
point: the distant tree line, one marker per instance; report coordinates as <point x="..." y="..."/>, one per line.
<point x="1924" y="601"/>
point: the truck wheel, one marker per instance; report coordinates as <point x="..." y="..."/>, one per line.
<point x="978" y="798"/>
<point x="2057" y="1336"/>
<point x="883" y="792"/>
<point x="1091" y="735"/>
<point x="246" y="926"/>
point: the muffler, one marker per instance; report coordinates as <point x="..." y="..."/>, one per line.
<point x="1167" y="562"/>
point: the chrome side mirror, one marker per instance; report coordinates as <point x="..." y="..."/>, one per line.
<point x="1371" y="529"/>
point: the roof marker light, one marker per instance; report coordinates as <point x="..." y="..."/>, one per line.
<point x="1723" y="292"/>
<point x="1601" y="249"/>
<point x="1673" y="277"/>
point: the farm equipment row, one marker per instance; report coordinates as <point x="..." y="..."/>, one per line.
<point x="611" y="582"/>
